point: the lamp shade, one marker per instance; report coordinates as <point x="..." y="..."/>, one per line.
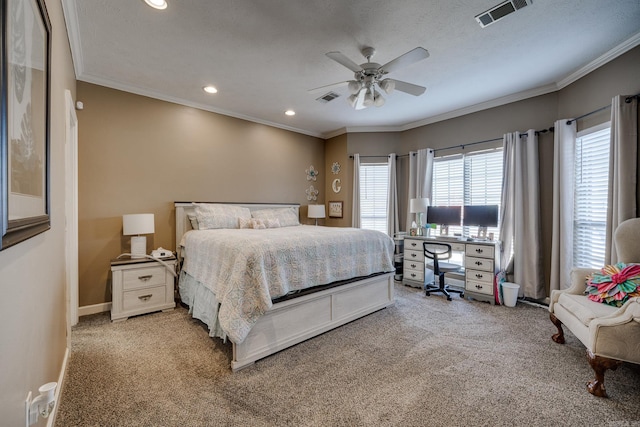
<point x="418" y="205"/>
<point x="135" y="224"/>
<point x="316" y="211"/>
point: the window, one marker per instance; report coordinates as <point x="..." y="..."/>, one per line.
<point x="374" y="186"/>
<point x="590" y="196"/>
<point x="469" y="179"/>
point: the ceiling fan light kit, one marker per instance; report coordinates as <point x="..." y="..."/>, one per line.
<point x="370" y="74"/>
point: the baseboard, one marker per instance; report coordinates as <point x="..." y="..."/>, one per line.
<point x="93" y="309"/>
<point x="51" y="421"/>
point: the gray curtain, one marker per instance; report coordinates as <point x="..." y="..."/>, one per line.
<point x="420" y="178"/>
<point x="393" y="223"/>
<point x="355" y="206"/>
<point x="521" y="206"/>
<point x="564" y="142"/>
<point x="623" y="168"/>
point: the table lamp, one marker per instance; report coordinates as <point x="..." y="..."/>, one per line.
<point x="419" y="206"/>
<point x="316" y="211"/>
<point x="135" y="225"/>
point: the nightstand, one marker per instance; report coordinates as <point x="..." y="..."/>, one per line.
<point x="141" y="285"/>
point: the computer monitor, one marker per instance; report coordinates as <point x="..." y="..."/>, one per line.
<point x="444" y="216"/>
<point x="482" y="216"/>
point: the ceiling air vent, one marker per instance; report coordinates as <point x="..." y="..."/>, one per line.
<point x="327" y="97"/>
<point x="500" y="11"/>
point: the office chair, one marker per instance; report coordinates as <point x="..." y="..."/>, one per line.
<point x="440" y="251"/>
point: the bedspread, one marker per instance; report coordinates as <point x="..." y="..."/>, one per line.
<point x="247" y="268"/>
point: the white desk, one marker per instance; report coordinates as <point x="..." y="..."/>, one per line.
<point x="481" y="262"/>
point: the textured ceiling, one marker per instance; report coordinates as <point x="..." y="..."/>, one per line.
<point x="264" y="56"/>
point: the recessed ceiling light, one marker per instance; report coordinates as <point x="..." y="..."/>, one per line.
<point x="290" y="113"/>
<point x="210" y="89"/>
<point x="157" y="4"/>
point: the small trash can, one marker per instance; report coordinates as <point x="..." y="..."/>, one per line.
<point x="510" y="293"/>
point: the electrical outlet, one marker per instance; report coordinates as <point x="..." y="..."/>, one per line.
<point x="27" y="407"/>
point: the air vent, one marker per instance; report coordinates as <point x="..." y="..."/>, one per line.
<point x="327" y="97"/>
<point x="500" y="11"/>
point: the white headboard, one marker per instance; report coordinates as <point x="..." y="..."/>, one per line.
<point x="183" y="208"/>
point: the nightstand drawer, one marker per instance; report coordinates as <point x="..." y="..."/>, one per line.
<point x="144" y="277"/>
<point x="483" y="251"/>
<point x="479" y="276"/>
<point x="479" y="287"/>
<point x="140" y="298"/>
<point x="410" y="255"/>
<point x="484" y="264"/>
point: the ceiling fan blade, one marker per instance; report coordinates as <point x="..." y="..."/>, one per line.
<point x="360" y="100"/>
<point x="343" y="60"/>
<point x="328" y="87"/>
<point x="409" y="88"/>
<point x="411" y="57"/>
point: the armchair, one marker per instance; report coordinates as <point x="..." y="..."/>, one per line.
<point x="610" y="334"/>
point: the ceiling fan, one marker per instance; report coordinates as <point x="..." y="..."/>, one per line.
<point x="370" y="76"/>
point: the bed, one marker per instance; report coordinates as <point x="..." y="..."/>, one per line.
<point x="270" y="288"/>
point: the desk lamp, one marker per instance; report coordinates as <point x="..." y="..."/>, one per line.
<point x="419" y="206"/>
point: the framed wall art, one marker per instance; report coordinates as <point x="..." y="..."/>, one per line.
<point x="335" y="209"/>
<point x="24" y="122"/>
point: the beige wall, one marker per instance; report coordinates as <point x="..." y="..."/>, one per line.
<point x="139" y="155"/>
<point x="32" y="273"/>
<point x="336" y="151"/>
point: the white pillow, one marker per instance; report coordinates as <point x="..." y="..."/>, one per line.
<point x="287" y="217"/>
<point x="193" y="220"/>
<point x="211" y="215"/>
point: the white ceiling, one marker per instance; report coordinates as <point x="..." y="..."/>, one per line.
<point x="264" y="55"/>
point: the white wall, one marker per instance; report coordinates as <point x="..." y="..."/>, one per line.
<point x="32" y="276"/>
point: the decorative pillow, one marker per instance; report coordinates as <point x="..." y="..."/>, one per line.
<point x="614" y="284"/>
<point x="272" y="223"/>
<point x="251" y="223"/>
<point x="193" y="220"/>
<point x="287" y="217"/>
<point x="211" y="215"/>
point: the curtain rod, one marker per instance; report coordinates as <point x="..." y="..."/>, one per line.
<point x="551" y="129"/>
<point x="627" y="100"/>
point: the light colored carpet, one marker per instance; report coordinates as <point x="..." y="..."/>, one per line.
<point x="423" y="362"/>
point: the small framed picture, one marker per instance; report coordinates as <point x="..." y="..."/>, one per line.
<point x="335" y="209"/>
<point x="413" y="232"/>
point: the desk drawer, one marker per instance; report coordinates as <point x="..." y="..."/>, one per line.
<point x="410" y="255"/>
<point x="479" y="276"/>
<point x="144" y="277"/>
<point x="479" y="287"/>
<point x="484" y="264"/>
<point x="413" y="244"/>
<point x="147" y="298"/>
<point x="413" y="265"/>
<point x="415" y="275"/>
<point x="482" y="251"/>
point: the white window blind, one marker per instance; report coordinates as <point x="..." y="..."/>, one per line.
<point x="470" y="179"/>
<point x="374" y="184"/>
<point x="590" y="197"/>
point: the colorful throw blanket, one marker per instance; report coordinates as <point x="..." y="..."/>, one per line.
<point x="614" y="284"/>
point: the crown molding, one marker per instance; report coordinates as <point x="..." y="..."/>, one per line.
<point x="617" y="51"/>
<point x="73" y="31"/>
<point x="180" y="101"/>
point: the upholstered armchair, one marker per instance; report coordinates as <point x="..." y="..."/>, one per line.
<point x="610" y="334"/>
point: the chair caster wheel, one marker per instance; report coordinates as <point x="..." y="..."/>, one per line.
<point x="448" y="298"/>
<point x="462" y="296"/>
<point x="427" y="294"/>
